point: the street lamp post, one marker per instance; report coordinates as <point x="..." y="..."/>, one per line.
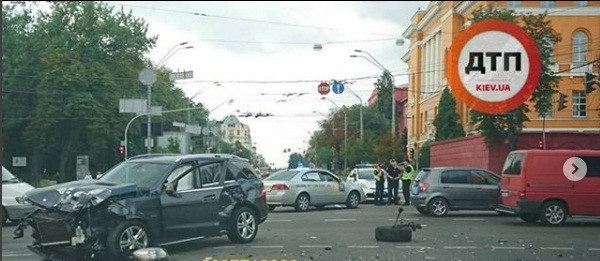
<point x="345" y="131"/>
<point x="380" y="66"/>
<point x="361" y="111"/>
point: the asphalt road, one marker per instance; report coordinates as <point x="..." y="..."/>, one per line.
<point x="336" y="233"/>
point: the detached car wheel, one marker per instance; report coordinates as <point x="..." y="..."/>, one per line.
<point x="438" y="207"/>
<point x="243" y="226"/>
<point x="393" y="234"/>
<point x="127" y="237"/>
<point x="302" y="202"/>
<point x="554" y="213"/>
<point x="353" y="200"/>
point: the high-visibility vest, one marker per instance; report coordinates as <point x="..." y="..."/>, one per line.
<point x="375" y="172"/>
<point x="408" y="175"/>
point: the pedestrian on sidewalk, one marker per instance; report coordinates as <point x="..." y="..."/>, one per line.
<point x="407" y="178"/>
<point x="379" y="175"/>
<point x="393" y="179"/>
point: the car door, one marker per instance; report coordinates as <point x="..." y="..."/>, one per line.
<point x="334" y="191"/>
<point x="314" y="187"/>
<point x="192" y="210"/>
<point x="487" y="187"/>
<point x="456" y="188"/>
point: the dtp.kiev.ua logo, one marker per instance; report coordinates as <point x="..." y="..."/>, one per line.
<point x="493" y="66"/>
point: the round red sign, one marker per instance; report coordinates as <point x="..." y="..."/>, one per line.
<point x="324" y="88"/>
<point x="493" y="66"/>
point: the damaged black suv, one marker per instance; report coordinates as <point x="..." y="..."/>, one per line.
<point x="144" y="201"/>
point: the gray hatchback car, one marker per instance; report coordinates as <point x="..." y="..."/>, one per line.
<point x="437" y="190"/>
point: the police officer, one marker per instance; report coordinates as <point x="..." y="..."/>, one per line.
<point x="393" y="178"/>
<point x="379" y="175"/>
<point x="407" y="178"/>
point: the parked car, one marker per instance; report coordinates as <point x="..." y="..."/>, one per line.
<point x="302" y="188"/>
<point x="362" y="175"/>
<point x="148" y="200"/>
<point x="534" y="186"/>
<point x="438" y="190"/>
<point x="12" y="188"/>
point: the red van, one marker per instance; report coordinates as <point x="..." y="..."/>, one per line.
<point x="534" y="187"/>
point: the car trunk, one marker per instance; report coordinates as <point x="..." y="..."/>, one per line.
<point x="512" y="179"/>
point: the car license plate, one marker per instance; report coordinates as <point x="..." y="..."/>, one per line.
<point x="505" y="194"/>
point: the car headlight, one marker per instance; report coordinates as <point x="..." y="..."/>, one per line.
<point x="22" y="200"/>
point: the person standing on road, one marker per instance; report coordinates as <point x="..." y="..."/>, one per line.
<point x="407" y="178"/>
<point x="393" y="179"/>
<point x="379" y="175"/>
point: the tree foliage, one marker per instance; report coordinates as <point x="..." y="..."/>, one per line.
<point x="447" y="121"/>
<point x="508" y="126"/>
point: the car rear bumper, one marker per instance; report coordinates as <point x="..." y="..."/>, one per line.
<point x="522" y="207"/>
<point x="16" y="212"/>
<point x="280" y="198"/>
<point x="418" y="201"/>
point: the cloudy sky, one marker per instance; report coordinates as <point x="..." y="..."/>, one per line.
<point x="260" y="51"/>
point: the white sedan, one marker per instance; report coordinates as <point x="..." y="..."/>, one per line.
<point x="302" y="188"/>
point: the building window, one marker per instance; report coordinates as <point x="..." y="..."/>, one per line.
<point x="580" y="47"/>
<point x="547" y="4"/>
<point x="581" y="3"/>
<point x="513" y="4"/>
<point x="579" y="104"/>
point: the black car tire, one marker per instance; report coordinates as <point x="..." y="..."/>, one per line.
<point x="117" y="233"/>
<point x="438" y="207"/>
<point x="271" y="208"/>
<point x="393" y="234"/>
<point x="4" y="216"/>
<point x="423" y="211"/>
<point x="302" y="202"/>
<point x="554" y="213"/>
<point x="243" y="218"/>
<point x="530" y="218"/>
<point x="353" y="200"/>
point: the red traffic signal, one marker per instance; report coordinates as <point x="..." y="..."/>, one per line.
<point x="540" y="144"/>
<point x="121" y="149"/>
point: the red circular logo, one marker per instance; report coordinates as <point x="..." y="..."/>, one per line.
<point x="493" y="66"/>
<point x="324" y="88"/>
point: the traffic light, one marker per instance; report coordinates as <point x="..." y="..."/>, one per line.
<point x="540" y="144"/>
<point x="562" y="100"/>
<point x="590" y="80"/>
<point x="121" y="150"/>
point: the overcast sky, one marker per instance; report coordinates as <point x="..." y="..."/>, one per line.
<point x="231" y="45"/>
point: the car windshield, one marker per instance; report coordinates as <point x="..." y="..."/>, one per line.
<point x="366" y="174"/>
<point x="144" y="174"/>
<point x="283" y="175"/>
<point x="7" y="176"/>
<point x="422" y="174"/>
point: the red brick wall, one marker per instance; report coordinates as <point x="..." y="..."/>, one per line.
<point x="471" y="151"/>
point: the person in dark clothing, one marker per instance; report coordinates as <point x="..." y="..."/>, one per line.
<point x="379" y="175"/>
<point x="393" y="178"/>
<point x="407" y="177"/>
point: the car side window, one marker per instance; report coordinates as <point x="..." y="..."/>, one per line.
<point x="326" y="177"/>
<point x="184" y="177"/>
<point x="246" y="172"/>
<point x="210" y="175"/>
<point x="455" y="177"/>
<point x="311" y="176"/>
<point x="233" y="172"/>
<point x="480" y="178"/>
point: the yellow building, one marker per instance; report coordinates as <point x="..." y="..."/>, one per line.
<point x="431" y="33"/>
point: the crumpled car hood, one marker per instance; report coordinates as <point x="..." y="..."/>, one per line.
<point x="76" y="195"/>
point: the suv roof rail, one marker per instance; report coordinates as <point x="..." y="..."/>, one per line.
<point x="214" y="155"/>
<point x="143" y="156"/>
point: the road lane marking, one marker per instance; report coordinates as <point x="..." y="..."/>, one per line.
<point x="17" y="255"/>
<point x="468" y="219"/>
<point x="460" y="247"/>
<point x="266" y="247"/>
<point x="407" y="219"/>
<point x="414" y="247"/>
<point x="557" y="248"/>
<point x="507" y="248"/>
<point x="315" y="246"/>
<point x="280" y="220"/>
<point x="363" y="246"/>
<point x="593" y="249"/>
<point x="224" y="247"/>
<point x="340" y="220"/>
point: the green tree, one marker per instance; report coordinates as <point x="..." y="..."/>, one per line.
<point x="446" y="122"/>
<point x="385" y="87"/>
<point x="424" y="155"/>
<point x="294" y="159"/>
<point x="508" y="126"/>
<point x="404" y="140"/>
